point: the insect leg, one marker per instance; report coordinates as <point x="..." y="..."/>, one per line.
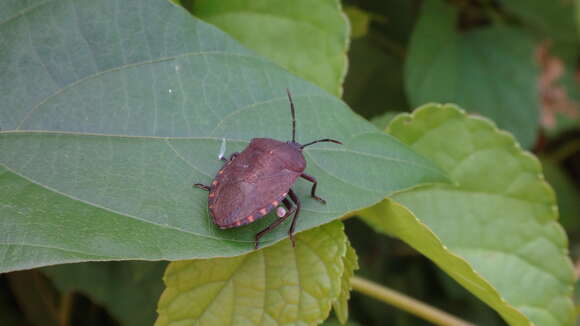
<point x="288" y="205"/>
<point x="207" y="188"/>
<point x="201" y="186"/>
<point x="293" y="225"/>
<point x="314" y="184"/>
<point x="233" y="156"/>
<point x="277" y="222"/>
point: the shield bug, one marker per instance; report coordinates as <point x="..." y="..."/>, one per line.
<point x="257" y="180"/>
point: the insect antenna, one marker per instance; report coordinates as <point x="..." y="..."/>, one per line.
<point x="293" y="116"/>
<point x="320" y="141"/>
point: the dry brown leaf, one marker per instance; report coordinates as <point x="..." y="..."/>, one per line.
<point x="554" y="98"/>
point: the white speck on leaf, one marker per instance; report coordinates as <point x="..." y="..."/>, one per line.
<point x="222" y="149"/>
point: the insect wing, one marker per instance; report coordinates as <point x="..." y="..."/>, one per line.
<point x="240" y="202"/>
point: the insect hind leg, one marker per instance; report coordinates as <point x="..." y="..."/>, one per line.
<point x="296" y="201"/>
<point x="290" y="209"/>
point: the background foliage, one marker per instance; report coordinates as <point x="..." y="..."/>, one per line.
<point x="111" y="109"/>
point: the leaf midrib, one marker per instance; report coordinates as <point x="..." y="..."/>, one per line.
<point x="219" y="139"/>
<point x="169" y="227"/>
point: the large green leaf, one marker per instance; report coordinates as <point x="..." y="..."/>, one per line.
<point x="495" y="230"/>
<point x="110" y="110"/>
<point x="555" y="19"/>
<point x="490" y="70"/>
<point x="308" y="38"/>
<point x="129" y="290"/>
<point x="279" y="285"/>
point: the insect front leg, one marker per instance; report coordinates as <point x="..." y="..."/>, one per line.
<point x="207" y="188"/>
<point x="233" y="156"/>
<point x="201" y="186"/>
<point x="290" y="209"/>
<point x="314" y="184"/>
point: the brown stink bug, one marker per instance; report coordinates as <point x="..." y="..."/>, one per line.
<point x="254" y="182"/>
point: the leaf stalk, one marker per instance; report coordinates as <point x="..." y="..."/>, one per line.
<point x="406" y="303"/>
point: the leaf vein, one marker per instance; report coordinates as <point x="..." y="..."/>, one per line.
<point x="25" y="11"/>
<point x="126" y="66"/>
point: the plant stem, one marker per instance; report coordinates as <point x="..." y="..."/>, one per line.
<point x="66" y="308"/>
<point x="405" y="303"/>
<point x="565" y="151"/>
<point x="389" y="46"/>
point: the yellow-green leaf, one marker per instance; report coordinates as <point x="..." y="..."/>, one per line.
<point x="340" y="305"/>
<point x="359" y="21"/>
<point x="495" y="230"/>
<point x="278" y="285"/>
